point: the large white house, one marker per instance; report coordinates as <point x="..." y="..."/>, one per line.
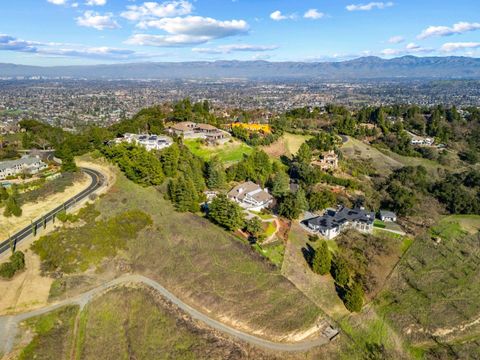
<point x="27" y="164"/>
<point x="251" y="196"/>
<point x="149" y="142"/>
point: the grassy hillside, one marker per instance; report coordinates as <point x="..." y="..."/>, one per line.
<point x="199" y="262"/>
<point x="288" y="144"/>
<point x="433" y="298"/>
<point x="53" y="335"/>
<point x="127" y="323"/>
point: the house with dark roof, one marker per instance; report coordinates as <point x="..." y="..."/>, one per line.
<point x="333" y="222"/>
<point x="250" y="196"/>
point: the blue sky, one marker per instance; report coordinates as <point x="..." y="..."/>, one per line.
<point x="64" y="32"/>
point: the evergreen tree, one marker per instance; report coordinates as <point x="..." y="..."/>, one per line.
<point x="280" y="184"/>
<point x="340" y="271"/>
<point x="226" y="213"/>
<point x="169" y="158"/>
<point x="68" y="161"/>
<point x="322" y="259"/>
<point x="289" y="207"/>
<point x="216" y="177"/>
<point x="301" y="199"/>
<point x="304" y="154"/>
<point x="353" y="298"/>
<point x="183" y="194"/>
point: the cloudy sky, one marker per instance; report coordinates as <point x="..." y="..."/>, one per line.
<point x="64" y="32"/>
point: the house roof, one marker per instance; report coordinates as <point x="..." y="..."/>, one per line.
<point x="253" y="190"/>
<point x="206" y="127"/>
<point x="183" y="126"/>
<point x="386" y="213"/>
<point x="26" y="160"/>
<point x="333" y="219"/>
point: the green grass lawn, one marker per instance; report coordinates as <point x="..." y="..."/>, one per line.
<point x="228" y="153"/>
<point x="273" y="252"/>
<point x="270" y="230"/>
<point x="379" y="224"/>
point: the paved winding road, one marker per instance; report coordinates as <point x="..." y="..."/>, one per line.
<point x="97" y="181"/>
<point x="9" y="324"/>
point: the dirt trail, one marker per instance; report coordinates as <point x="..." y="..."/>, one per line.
<point x="9" y="324"/>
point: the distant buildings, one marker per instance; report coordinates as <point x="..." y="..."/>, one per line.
<point x="149" y="142"/>
<point x="328" y="160"/>
<point x="191" y="130"/>
<point x="333" y="222"/>
<point x="27" y="164"/>
<point x="250" y="196"/>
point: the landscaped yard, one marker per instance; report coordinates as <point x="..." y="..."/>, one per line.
<point x="230" y="152"/>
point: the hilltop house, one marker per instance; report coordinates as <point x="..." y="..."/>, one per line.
<point x="191" y="130"/>
<point x="149" y="142"/>
<point x="333" y="222"/>
<point x="251" y="196"/>
<point x="420" y="140"/>
<point x="27" y="164"/>
<point x="328" y="160"/>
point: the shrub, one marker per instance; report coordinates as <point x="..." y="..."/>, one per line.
<point x="18" y="260"/>
<point x="7" y="270"/>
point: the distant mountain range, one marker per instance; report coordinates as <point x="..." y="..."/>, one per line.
<point x="407" y="67"/>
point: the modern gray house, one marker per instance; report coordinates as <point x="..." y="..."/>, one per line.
<point x="27" y="164"/>
<point x="333" y="222"/>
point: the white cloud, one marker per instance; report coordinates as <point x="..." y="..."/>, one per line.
<point x="166" y="40"/>
<point x="369" y="6"/>
<point x="458" y="28"/>
<point x="58" y="2"/>
<point x="96" y="2"/>
<point x="313" y="14"/>
<point x="152" y="10"/>
<point x="227" y="49"/>
<point x="457" y="46"/>
<point x="396" y="39"/>
<point x="11" y="43"/>
<point x="410" y="48"/>
<point x="198" y="26"/>
<point x="97" y="21"/>
<point x="278" y="16"/>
